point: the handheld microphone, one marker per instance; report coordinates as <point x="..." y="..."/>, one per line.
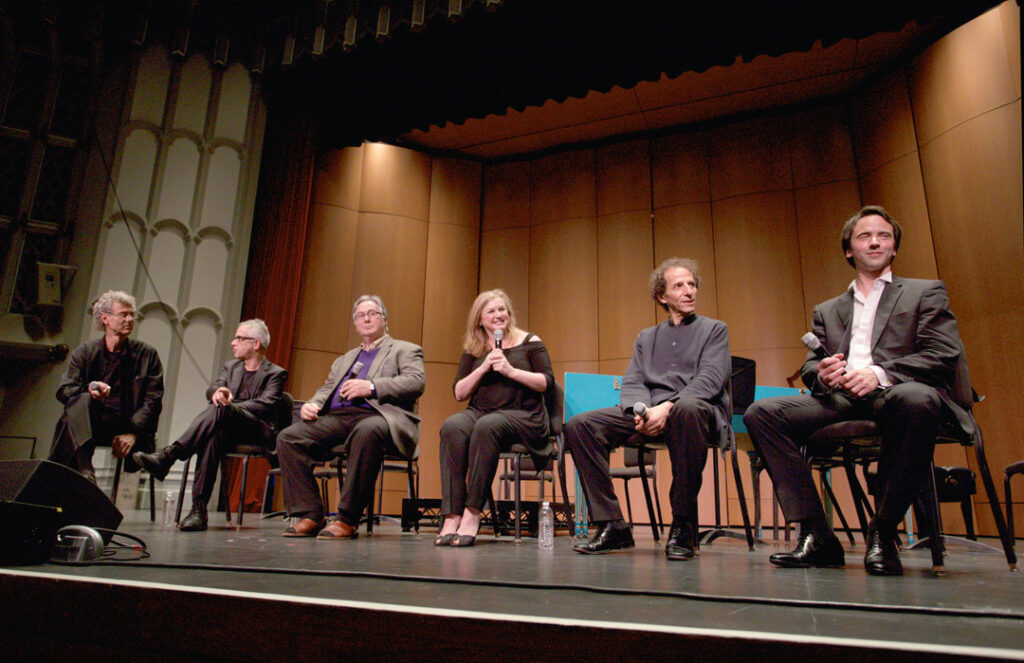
<point x="498" y="337"/>
<point x="814" y="345"/>
<point x="95" y="385"/>
<point x="640" y="410"/>
<point x="354" y="371"/>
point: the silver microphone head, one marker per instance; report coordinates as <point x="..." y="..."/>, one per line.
<point x="640" y="410"/>
<point x="356" y="368"/>
<point x="811" y="341"/>
<point x="499" y="336"/>
<point x="94" y="386"/>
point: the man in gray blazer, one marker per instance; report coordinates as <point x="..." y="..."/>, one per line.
<point x="893" y="348"/>
<point x="679" y="372"/>
<point x="367" y="403"/>
<point x="243" y="408"/>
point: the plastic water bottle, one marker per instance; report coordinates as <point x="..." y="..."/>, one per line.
<point x="546" y="527"/>
<point x="170" y="504"/>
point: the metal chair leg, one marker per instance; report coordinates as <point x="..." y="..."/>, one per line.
<point x="181" y="491"/>
<point x="647" y="498"/>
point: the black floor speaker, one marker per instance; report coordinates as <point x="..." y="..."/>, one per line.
<point x="38" y="497"/>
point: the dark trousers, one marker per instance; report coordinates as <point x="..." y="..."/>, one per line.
<point x="85" y="425"/>
<point x="591" y="436"/>
<point x="471" y="444"/>
<point x="360" y="434"/>
<point x="906" y="413"/>
<point x="212" y="434"/>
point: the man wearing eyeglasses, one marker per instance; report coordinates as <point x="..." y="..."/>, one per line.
<point x="367" y="405"/>
<point x="243" y="409"/>
<point x="112" y="391"/>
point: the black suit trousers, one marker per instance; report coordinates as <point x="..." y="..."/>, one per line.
<point x="360" y="434"/>
<point x="591" y="436"/>
<point x="907" y="414"/>
<point x="212" y="434"/>
<point x="85" y="425"/>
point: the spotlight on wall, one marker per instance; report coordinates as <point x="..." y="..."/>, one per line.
<point x="383" y="22"/>
<point x="220" y="50"/>
<point x="288" y="51"/>
<point x="419" y="14"/>
<point x="319" y="36"/>
<point x="180" y="48"/>
<point x="454" y="9"/>
<point x="350" y="33"/>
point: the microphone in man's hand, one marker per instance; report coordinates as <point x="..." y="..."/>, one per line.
<point x="95" y="385"/>
<point x="498" y="337"/>
<point x="814" y="345"/>
<point x="354" y="372"/>
<point x="640" y="410"/>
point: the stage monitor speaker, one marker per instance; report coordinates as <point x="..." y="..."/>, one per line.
<point x="38" y="497"/>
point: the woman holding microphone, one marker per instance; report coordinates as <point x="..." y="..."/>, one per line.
<point x="504" y="372"/>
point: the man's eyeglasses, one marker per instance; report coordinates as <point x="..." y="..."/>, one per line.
<point x="366" y="315"/>
<point x="123" y="315"/>
<point x="243" y="338"/>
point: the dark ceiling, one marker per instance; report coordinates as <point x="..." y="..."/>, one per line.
<point x="425" y="72"/>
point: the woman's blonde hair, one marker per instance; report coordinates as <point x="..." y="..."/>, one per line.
<point x="475" y="341"/>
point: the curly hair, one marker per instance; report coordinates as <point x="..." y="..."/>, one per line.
<point x="658" y="282"/>
<point x="105" y="304"/>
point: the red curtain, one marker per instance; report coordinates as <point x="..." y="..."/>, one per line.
<point x="280" y="221"/>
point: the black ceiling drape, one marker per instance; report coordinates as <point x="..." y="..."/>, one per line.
<point x="529" y="51"/>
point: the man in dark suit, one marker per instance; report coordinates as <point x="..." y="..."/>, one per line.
<point x="679" y="371"/>
<point x="894" y="347"/>
<point x="368" y="404"/>
<point x="244" y="401"/>
<point x="112" y="391"/>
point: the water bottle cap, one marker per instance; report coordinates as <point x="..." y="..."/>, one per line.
<point x="545" y="504"/>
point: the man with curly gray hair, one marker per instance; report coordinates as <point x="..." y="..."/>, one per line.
<point x="674" y="392"/>
<point x="112" y="391"/>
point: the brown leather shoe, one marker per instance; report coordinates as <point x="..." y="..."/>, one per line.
<point x="338" y="530"/>
<point x="305" y="528"/>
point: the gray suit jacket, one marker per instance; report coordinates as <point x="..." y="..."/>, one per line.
<point x="915" y="338"/>
<point x="398" y="374"/>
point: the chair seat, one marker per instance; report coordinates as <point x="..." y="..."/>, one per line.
<point x="249" y="450"/>
<point x="628" y="472"/>
<point x="857" y="431"/>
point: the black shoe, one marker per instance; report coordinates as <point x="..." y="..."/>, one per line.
<point x="813" y="549"/>
<point x="614" y="535"/>
<point x="682" y="541"/>
<point x="195" y="521"/>
<point x="158" y="464"/>
<point x="882" y="558"/>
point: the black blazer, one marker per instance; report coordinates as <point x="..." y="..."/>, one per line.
<point x="914" y="338"/>
<point x="270" y="379"/>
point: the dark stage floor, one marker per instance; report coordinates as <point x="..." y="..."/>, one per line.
<point x="725" y="598"/>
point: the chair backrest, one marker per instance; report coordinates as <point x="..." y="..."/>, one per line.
<point x="285" y="407"/>
<point x="962" y="393"/>
<point x="554" y="399"/>
<point x="589" y="391"/>
<point x="744" y="381"/>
